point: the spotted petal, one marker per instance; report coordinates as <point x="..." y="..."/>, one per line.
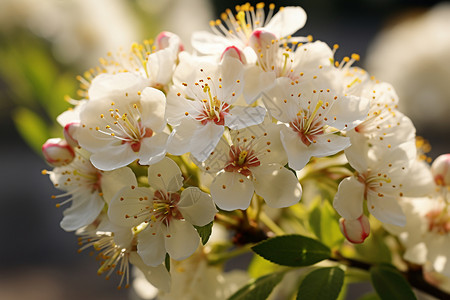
<point x="165" y="176"/>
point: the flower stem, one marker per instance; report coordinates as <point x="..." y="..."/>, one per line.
<point x="271" y="224"/>
<point x="218" y="258"/>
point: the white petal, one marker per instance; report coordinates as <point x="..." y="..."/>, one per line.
<point x="113" y="157"/>
<point x="297" y="152"/>
<point x="153" y="149"/>
<point x="157" y="276"/>
<point x="349" y="112"/>
<point x="153" y="106"/>
<point x="231" y="74"/>
<point x="160" y="66"/>
<point x="254" y="83"/>
<point x="208" y="43"/>
<point x="183" y="239"/>
<point x="183" y="136"/>
<point x="130" y="202"/>
<point x="197" y="207"/>
<point x="71" y="115"/>
<point x="273" y="99"/>
<point x="385" y="208"/>
<point x="112" y="85"/>
<point x="244" y="116"/>
<point x="356" y="154"/>
<point x="205" y="140"/>
<point x="217" y="160"/>
<point x="287" y="21"/>
<point x="231" y="190"/>
<point x="349" y="198"/>
<point x="328" y="145"/>
<point x="165" y="176"/>
<point x="113" y="181"/>
<point x="419" y="180"/>
<point x="316" y="54"/>
<point x="151" y="247"/>
<point x="177" y="106"/>
<point x="82" y="213"/>
<point x="277" y="185"/>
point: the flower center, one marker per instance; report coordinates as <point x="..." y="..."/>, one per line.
<point x="213" y="109"/>
<point x="126" y="127"/>
<point x="241" y="160"/>
<point x="439" y="221"/>
<point x="308" y="125"/>
<point x="165" y="207"/>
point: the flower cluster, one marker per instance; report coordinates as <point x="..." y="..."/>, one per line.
<point x="164" y="143"/>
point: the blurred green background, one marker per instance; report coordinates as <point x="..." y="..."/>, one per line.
<point x="45" y="44"/>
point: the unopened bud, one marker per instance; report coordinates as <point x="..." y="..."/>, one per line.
<point x="70" y="134"/>
<point x="233" y="51"/>
<point x="261" y="39"/>
<point x="441" y="170"/>
<point x="355" y="231"/>
<point x="163" y="40"/>
<point x="58" y="152"/>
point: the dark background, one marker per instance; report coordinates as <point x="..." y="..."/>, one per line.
<point x="38" y="260"/>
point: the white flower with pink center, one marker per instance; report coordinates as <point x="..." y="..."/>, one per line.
<point x="314" y="116"/>
<point x="426" y="235"/>
<point x="167" y="216"/>
<point x="124" y="126"/>
<point x="236" y="30"/>
<point x="200" y="107"/>
<point x="382" y="177"/>
<point x="87" y="189"/>
<point x="275" y="60"/>
<point x="252" y="162"/>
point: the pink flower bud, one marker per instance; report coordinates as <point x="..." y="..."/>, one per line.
<point x="57" y="152"/>
<point x="441" y="170"/>
<point x="163" y="38"/>
<point x="261" y="39"/>
<point x="355" y="231"/>
<point x="70" y="133"/>
<point x="233" y="51"/>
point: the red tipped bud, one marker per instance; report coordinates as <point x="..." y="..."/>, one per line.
<point x="441" y="170"/>
<point x="261" y="39"/>
<point x="57" y="152"/>
<point x="355" y="231"/>
<point x="70" y="133"/>
<point x="163" y="40"/>
<point x="233" y="51"/>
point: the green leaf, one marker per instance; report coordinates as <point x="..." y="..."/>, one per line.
<point x="258" y="289"/>
<point x="167" y="262"/>
<point x="204" y="232"/>
<point x="31" y="127"/>
<point x="292" y="250"/>
<point x="324" y="223"/>
<point x="323" y="284"/>
<point x="259" y="267"/>
<point x="389" y="283"/>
